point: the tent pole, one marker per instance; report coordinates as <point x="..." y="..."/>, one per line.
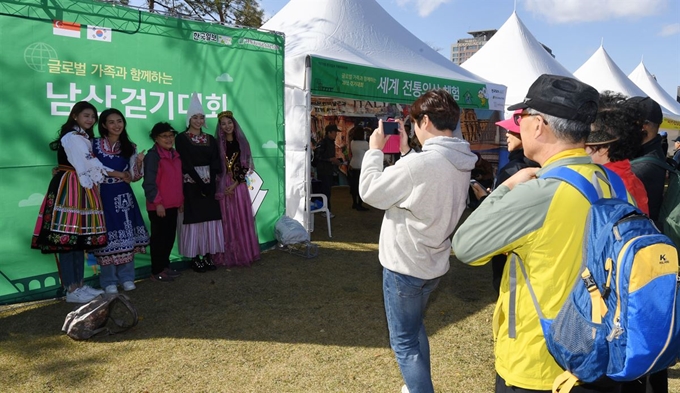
<point x="308" y="136"/>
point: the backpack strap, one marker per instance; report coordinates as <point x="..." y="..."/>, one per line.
<point x="512" y="322"/>
<point x="564" y="382"/>
<point x="656" y="161"/>
<point x="585" y="187"/>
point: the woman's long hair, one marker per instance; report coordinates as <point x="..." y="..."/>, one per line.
<point x="71" y="123"/>
<point x="127" y="148"/>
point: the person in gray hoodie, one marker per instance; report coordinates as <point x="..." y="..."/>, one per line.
<point x="423" y="196"/>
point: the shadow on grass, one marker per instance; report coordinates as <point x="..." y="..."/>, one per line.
<point x="333" y="299"/>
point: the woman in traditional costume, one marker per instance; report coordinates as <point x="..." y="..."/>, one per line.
<point x="241" y="246"/>
<point x="71" y="219"/>
<point x="200" y="229"/>
<point x="124" y="223"/>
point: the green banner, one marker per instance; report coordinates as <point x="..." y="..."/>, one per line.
<point x="146" y="65"/>
<point x="337" y="79"/>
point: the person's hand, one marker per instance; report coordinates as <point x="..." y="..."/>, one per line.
<point x="404" y="146"/>
<point x="140" y="157"/>
<point x="479" y="190"/>
<point x="230" y="190"/>
<point x="522" y="176"/>
<point x="160" y="211"/>
<point x="378" y="138"/>
<point x="127" y="177"/>
<point x="181" y="208"/>
<point x="335" y="161"/>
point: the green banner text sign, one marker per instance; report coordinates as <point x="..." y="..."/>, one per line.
<point x="338" y="79"/>
<point x="146" y="65"/>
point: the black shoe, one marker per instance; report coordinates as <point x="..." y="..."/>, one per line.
<point x="361" y="208"/>
<point x="208" y="263"/>
<point x="197" y="265"/>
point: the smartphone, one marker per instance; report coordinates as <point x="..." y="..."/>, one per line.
<point x="391" y="127"/>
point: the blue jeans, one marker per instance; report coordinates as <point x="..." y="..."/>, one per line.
<point x="71" y="268"/>
<point x="116" y="274"/>
<point x="405" y="302"/>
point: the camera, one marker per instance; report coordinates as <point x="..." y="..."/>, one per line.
<point x="390" y="127"/>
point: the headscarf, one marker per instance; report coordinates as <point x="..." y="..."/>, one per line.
<point x="246" y="157"/>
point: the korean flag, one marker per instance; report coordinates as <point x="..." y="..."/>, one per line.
<point x="98" y="33"/>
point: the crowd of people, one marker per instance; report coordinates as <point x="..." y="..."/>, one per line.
<point x="562" y="122"/>
<point x="194" y="185"/>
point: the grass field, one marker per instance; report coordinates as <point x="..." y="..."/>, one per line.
<point x="287" y="324"/>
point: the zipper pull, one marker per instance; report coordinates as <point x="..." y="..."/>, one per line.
<point x="615" y="333"/>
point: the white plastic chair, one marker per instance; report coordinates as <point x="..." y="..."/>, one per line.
<point x="322" y="209"/>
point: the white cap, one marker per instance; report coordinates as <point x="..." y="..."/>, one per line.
<point x="195" y="107"/>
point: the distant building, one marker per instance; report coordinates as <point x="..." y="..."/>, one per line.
<point x="464" y="48"/>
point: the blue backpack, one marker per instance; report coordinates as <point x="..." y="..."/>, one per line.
<point x="621" y="317"/>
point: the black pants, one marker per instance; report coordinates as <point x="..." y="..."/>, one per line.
<point x="353" y="180"/>
<point x="658" y="383"/>
<point x="326" y="184"/>
<point x="163" y="232"/>
<point x="611" y="387"/>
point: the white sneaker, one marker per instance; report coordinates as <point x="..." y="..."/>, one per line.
<point x="129" y="286"/>
<point x="79" y="296"/>
<point x="111" y="289"/>
<point x="404" y="389"/>
<point x="91" y="291"/>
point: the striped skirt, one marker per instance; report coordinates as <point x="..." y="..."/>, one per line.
<point x="200" y="238"/>
<point x="71" y="217"/>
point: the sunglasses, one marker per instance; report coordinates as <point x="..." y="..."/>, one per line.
<point x="517" y="118"/>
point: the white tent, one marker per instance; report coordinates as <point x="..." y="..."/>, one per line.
<point x="645" y="81"/>
<point x="358" y="32"/>
<point x="603" y="74"/>
<point x="514" y="58"/>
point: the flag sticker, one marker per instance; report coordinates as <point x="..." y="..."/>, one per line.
<point x="98" y="33"/>
<point x="66" y="29"/>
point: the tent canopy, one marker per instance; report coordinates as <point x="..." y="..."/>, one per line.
<point x="515" y="58"/>
<point x="359" y="32"/>
<point x="645" y="81"/>
<point x="602" y="73"/>
<point x="354" y="32"/>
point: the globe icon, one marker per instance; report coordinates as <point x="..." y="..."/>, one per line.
<point x="37" y="56"/>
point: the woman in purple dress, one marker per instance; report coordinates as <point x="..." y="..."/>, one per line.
<point x="241" y="246"/>
<point x="127" y="233"/>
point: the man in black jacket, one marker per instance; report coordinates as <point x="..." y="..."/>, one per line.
<point x="327" y="161"/>
<point x="651" y="175"/>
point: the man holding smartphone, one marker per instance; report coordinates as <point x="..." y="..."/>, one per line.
<point x="423" y="196"/>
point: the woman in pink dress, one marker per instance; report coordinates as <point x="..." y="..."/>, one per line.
<point x="241" y="246"/>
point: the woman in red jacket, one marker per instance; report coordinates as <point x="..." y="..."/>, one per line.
<point x="163" y="190"/>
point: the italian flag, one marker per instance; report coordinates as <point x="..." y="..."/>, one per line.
<point x="66" y="29"/>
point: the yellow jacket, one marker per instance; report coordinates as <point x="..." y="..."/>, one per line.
<point x="543" y="222"/>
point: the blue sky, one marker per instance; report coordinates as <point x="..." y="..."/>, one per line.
<point x="630" y="29"/>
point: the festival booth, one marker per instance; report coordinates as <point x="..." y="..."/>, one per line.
<point x="58" y="52"/>
<point x="601" y="72"/>
<point x="515" y="58"/>
<point x="348" y="62"/>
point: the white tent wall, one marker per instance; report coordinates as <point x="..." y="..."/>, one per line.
<point x="354" y="31"/>
<point x="645" y="81"/>
<point x="515" y="58"/>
